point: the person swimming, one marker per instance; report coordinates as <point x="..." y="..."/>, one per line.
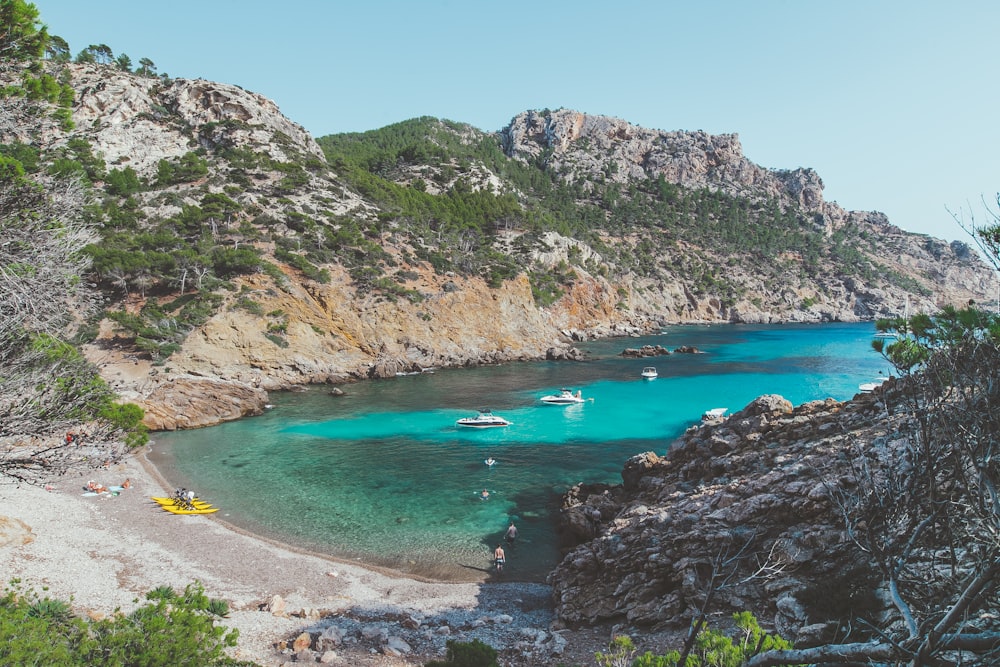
<point x="485" y="495"/>
<point x="490" y="461"/>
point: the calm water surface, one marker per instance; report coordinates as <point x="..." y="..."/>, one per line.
<point x="383" y="475"/>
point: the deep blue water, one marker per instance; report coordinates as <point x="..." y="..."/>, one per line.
<point x="383" y="474"/>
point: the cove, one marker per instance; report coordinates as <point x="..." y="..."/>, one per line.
<point x="382" y="475"/>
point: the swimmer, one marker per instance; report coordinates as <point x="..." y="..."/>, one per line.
<point x="485" y="495"/>
<point x="490" y="461"/>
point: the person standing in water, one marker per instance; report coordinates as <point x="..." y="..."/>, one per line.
<point x="499" y="558"/>
<point x="511" y="533"/>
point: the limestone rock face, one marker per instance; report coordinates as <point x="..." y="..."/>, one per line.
<point x="126" y="116"/>
<point x="760" y="479"/>
<point x="695" y="159"/>
<point x="193" y="402"/>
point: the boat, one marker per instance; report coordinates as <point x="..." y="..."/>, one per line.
<point x="869" y="387"/>
<point x="564" y="397"/>
<point x="485" y="419"/>
<point x="714" y="413"/>
<point x="649" y="373"/>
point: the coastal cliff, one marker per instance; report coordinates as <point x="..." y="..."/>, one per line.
<point x="752" y="512"/>
<point x="239" y="249"/>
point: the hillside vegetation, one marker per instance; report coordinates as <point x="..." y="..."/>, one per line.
<point x="231" y="245"/>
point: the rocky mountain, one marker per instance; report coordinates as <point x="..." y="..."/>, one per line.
<point x="241" y="255"/>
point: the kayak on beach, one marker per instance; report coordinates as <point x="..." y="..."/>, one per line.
<point x="194" y="507"/>
<point x="174" y="509"/>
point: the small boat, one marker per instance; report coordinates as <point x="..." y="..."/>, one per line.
<point x="869" y="387"/>
<point x="649" y="373"/>
<point x="714" y="413"/>
<point x="564" y="397"/>
<point x="485" y="419"/>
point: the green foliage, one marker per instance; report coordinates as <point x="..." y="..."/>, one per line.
<point x="83" y="152"/>
<point x="54" y="350"/>
<point x="619" y="653"/>
<point x="177" y="630"/>
<point x="127" y="417"/>
<point x="249" y="305"/>
<point x="26" y="155"/>
<point x="308" y="269"/>
<point x="23" y="37"/>
<point x="122" y="182"/>
<point x="235" y="261"/>
<point x="10" y="169"/>
<point x="466" y="654"/>
<point x="712" y="648"/>
<point x="170" y="629"/>
<point x="189" y="167"/>
<point x="276" y="339"/>
<point x="546" y="286"/>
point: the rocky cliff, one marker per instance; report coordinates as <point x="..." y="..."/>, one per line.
<point x="745" y="512"/>
<point x="348" y="286"/>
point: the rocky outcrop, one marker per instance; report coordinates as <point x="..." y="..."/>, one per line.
<point x="190" y="402"/>
<point x="581" y="146"/>
<point x="761" y="482"/>
<point x="139" y="121"/>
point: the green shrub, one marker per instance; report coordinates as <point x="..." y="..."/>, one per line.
<point x="467" y="654"/>
<point x="170" y="630"/>
<point x="712" y="648"/>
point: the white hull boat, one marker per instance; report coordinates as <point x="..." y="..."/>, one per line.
<point x="564" y="397"/>
<point x="649" y="373"/>
<point x="485" y="419"/>
<point x="869" y="387"/>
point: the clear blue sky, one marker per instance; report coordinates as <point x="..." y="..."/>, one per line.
<point x="894" y="103"/>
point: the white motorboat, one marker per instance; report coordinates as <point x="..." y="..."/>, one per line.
<point x="564" y="397"/>
<point x="649" y="373"/>
<point x="714" y="413"/>
<point x="869" y="387"/>
<point x="485" y="419"/>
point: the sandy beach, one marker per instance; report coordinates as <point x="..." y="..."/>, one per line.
<point x="105" y="552"/>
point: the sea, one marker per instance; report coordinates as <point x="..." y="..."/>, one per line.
<point x="382" y="475"/>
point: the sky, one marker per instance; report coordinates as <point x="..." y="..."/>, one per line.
<point x="894" y="103"/>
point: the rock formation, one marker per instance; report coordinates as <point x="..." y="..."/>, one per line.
<point x="761" y="482"/>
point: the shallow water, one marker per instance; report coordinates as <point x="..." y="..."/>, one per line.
<point x="385" y="476"/>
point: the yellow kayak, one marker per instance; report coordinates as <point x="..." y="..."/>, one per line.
<point x="175" y="509"/>
<point x="174" y="502"/>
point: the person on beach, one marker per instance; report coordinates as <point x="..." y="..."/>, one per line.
<point x="499" y="557"/>
<point x="485" y="495"/>
<point x="127" y="483"/>
<point x="511" y="533"/>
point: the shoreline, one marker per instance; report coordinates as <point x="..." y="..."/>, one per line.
<point x="154" y="473"/>
<point x="104" y="553"/>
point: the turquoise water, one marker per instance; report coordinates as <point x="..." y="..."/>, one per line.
<point x="383" y="474"/>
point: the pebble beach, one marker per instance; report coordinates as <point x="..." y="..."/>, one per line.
<point x="104" y="553"/>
